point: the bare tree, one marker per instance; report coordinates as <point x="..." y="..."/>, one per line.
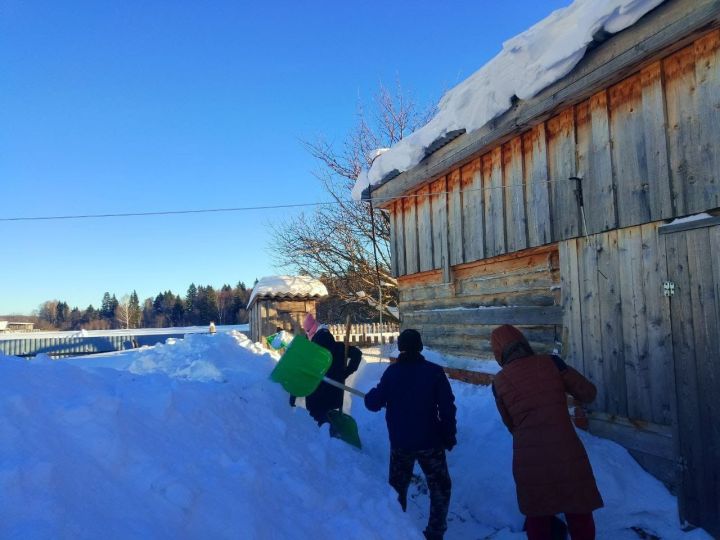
<point x="124" y="312"/>
<point x="339" y="242"/>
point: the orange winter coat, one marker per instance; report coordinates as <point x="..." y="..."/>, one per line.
<point x="550" y="466"/>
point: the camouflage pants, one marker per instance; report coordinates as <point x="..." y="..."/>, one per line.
<point x="433" y="464"/>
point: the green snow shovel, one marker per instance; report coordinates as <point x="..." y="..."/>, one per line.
<point x="301" y="370"/>
<point x="303" y="367"/>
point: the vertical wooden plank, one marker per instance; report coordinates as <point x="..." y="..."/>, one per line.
<point x="691" y="431"/>
<point x="472" y="210"/>
<point x="561" y="166"/>
<point x="707" y="355"/>
<point x="412" y="263"/>
<point x="629" y="159"/>
<point x="707" y="76"/>
<point x="713" y="374"/>
<point x="425" y="239"/>
<point x="594" y="164"/>
<point x="393" y="242"/>
<point x="659" y="333"/>
<point x="600" y="190"/>
<point x="591" y="322"/>
<point x="656" y="153"/>
<point x="494" y="205"/>
<point x="455" y="224"/>
<point x="515" y="216"/>
<point x="571" y="299"/>
<point x="608" y="278"/>
<point x="635" y="343"/>
<point x="438" y="201"/>
<point x="537" y="187"/>
<point x="400" y="237"/>
<point x="683" y="130"/>
<point x="489" y="194"/>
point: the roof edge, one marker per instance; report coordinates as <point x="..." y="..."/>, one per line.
<point x="667" y="28"/>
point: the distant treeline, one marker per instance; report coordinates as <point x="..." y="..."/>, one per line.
<point x="200" y="306"/>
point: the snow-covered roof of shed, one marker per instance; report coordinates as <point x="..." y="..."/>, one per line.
<point x="527" y="63"/>
<point x="288" y="287"/>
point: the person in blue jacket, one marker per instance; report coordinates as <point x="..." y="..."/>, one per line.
<point x="420" y="416"/>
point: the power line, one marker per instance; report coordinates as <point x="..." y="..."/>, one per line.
<point x="267" y="207"/>
<point x="166" y="212"/>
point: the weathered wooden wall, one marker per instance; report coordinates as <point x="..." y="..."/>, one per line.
<point x="693" y="266"/>
<point x="647" y="148"/>
<point x="618" y="333"/>
<point x="458" y="317"/>
<point x="266" y="315"/>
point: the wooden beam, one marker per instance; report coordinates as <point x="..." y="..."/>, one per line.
<point x="524" y="315"/>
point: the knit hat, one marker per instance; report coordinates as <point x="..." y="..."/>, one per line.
<point x="310" y="325"/>
<point x="409" y="341"/>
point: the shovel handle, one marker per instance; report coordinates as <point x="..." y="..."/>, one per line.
<point x="336" y="384"/>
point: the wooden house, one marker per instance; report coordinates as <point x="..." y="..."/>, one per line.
<point x="282" y="302"/>
<point x="489" y="229"/>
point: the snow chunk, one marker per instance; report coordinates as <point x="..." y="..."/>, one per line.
<point x="528" y="63"/>
<point x="288" y="286"/>
<point x="689" y="219"/>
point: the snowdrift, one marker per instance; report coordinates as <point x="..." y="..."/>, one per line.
<point x="191" y="440"/>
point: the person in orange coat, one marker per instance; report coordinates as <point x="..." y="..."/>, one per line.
<point x="551" y="468"/>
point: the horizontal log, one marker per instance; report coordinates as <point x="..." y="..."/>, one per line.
<point x="638" y="435"/>
<point x="521" y="315"/>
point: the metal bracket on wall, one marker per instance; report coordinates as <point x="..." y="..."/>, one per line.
<point x="669" y="288"/>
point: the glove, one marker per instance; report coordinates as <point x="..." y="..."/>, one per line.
<point x="450" y="442"/>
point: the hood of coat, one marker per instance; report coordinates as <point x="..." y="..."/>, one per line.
<point x="509" y="343"/>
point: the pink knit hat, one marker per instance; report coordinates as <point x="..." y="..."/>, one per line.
<point x="310" y="325"/>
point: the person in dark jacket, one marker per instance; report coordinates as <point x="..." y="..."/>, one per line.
<point x="420" y="416"/>
<point x="326" y="397"/>
<point x="551" y="469"/>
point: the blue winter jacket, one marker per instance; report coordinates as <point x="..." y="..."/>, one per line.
<point x="420" y="405"/>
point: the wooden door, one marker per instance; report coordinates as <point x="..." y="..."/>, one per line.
<point x="693" y="270"/>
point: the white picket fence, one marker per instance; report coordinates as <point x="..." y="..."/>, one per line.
<point x="366" y="334"/>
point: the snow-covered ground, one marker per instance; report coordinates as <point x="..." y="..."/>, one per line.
<point x="191" y="440"/>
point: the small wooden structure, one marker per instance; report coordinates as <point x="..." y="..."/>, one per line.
<point x="282" y="302"/>
<point x="16" y="326"/>
<point x="488" y="230"/>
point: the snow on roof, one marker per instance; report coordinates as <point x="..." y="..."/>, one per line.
<point x="528" y="63"/>
<point x="288" y="286"/>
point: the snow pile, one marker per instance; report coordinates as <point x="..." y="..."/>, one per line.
<point x="163" y="450"/>
<point x="288" y="286"/>
<point x="191" y="440"/>
<point x="528" y="62"/>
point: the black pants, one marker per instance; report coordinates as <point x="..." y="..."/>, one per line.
<point x="434" y="466"/>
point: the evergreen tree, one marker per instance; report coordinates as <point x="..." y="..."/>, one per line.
<point x="106" y="308"/>
<point x="62" y="315"/>
<point x="191" y="311"/>
<point x="135" y="312"/>
<point x="178" y="312"/>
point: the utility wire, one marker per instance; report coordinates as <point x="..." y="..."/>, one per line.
<point x="267" y="207"/>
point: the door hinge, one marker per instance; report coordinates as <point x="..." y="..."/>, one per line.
<point x="669" y="288"/>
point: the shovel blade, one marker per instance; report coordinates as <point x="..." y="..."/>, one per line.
<point x="344" y="427"/>
<point x="301" y="369"/>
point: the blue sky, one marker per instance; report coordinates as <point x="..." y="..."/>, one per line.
<point x="111" y="107"/>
